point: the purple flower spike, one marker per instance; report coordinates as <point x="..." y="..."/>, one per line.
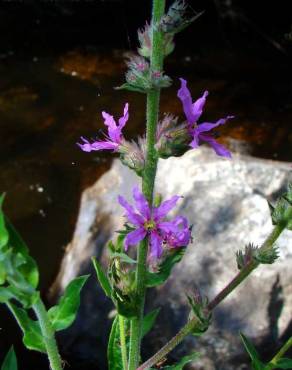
<point x="149" y="223"/>
<point x="114" y="137"/>
<point x="193" y="112"/>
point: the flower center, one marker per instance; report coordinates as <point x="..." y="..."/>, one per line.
<point x="149" y="225"/>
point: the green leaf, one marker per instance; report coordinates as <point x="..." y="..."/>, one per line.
<point x="185" y="360"/>
<point x="129" y="87"/>
<point x="32" y="335"/>
<point x="10" y="361"/>
<point x="28" y="268"/>
<point x="2" y="273"/>
<point x="284" y="363"/>
<point x="148" y="321"/>
<point x="157" y="278"/>
<point x="5" y="294"/>
<point x="63" y="314"/>
<point x="102" y="278"/>
<point x="123" y="257"/>
<point x="114" y="353"/>
<point x="4" y="236"/>
<point x="256" y="362"/>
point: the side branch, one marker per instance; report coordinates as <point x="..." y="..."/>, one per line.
<point x="193" y="323"/>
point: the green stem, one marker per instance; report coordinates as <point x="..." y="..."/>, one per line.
<point x="48" y="335"/>
<point x="273" y="363"/>
<point x="192" y="324"/>
<point x="123" y="342"/>
<point x="152" y="110"/>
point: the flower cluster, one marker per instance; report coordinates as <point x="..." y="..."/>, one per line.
<point x="151" y="222"/>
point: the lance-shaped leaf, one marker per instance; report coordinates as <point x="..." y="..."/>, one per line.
<point x="10" y="361"/>
<point x="114" y="353"/>
<point x="28" y="268"/>
<point x="253" y="354"/>
<point x="32" y="335"/>
<point x="102" y="278"/>
<point x="157" y="278"/>
<point x="63" y="314"/>
<point x="148" y="321"/>
<point x="4" y="236"/>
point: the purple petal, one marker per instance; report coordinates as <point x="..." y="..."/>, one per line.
<point x="207" y="126"/>
<point x="167" y="226"/>
<point x="165" y="207"/>
<point x="155" y="245"/>
<point x="199" y="105"/>
<point x="125" y="117"/>
<point x="186" y="99"/>
<point x="134" y="237"/>
<point x="113" y="131"/>
<point x="218" y="148"/>
<point x="141" y="203"/>
<point x="131" y="215"/>
<point x="104" y="145"/>
<point x="181" y="236"/>
<point x="195" y="142"/>
<point x="193" y="111"/>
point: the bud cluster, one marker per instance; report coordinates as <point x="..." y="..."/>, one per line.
<point x="141" y="78"/>
<point x="145" y="37"/>
<point x="176" y="19"/>
<point x="132" y="155"/>
<point x="171" y="139"/>
<point x="200" y="310"/>
<point x="253" y="253"/>
<point x="282" y="211"/>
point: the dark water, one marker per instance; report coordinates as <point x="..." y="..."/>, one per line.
<point x="46" y="104"/>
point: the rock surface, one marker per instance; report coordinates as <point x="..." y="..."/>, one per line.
<point x="226" y="203"/>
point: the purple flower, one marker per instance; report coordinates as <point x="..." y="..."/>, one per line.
<point x="114" y="137"/>
<point x="149" y="223"/>
<point x="193" y="112"/>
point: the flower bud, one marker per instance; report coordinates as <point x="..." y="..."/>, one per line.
<point x="171" y="139"/>
<point x="176" y="18"/>
<point x="133" y="155"/>
<point x="145" y="39"/>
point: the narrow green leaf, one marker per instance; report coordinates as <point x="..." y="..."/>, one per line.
<point x="157" y="278"/>
<point x="63" y="314"/>
<point x="184" y="361"/>
<point x="256" y="362"/>
<point x="29" y="268"/>
<point x="127" y="86"/>
<point x="4" y="236"/>
<point x="10" y="361"/>
<point x="32" y="335"/>
<point x="5" y="294"/>
<point x="284" y="363"/>
<point x="102" y="278"/>
<point x="114" y="353"/>
<point x="123" y="257"/>
<point x="148" y="321"/>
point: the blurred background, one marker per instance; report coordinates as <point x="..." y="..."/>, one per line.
<point x="59" y="62"/>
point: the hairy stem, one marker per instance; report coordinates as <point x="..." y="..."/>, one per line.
<point x="273" y="363"/>
<point x="48" y="335"/>
<point x="192" y="324"/>
<point x="152" y="110"/>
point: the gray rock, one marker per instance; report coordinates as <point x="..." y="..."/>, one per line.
<point x="226" y="201"/>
